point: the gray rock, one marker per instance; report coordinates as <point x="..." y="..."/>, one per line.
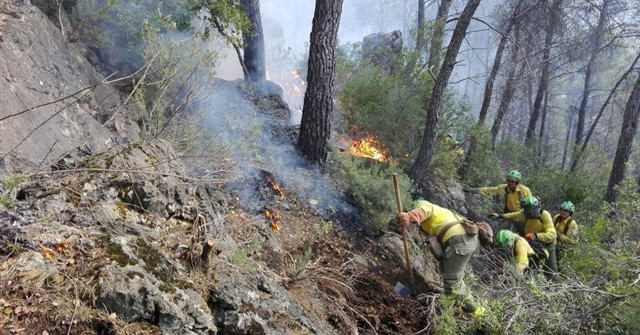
<point x="52" y="95"/>
<point x="133" y="295"/>
<point x="382" y="48"/>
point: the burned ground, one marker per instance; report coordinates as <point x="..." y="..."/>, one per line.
<point x="344" y="274"/>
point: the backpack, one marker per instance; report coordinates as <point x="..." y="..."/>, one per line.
<point x="485" y="233"/>
<point x="480" y="228"/>
<point x="541" y="252"/>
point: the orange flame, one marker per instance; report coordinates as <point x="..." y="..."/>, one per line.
<point x="275" y="187"/>
<point x="274" y="218"/>
<point x="369" y="147"/>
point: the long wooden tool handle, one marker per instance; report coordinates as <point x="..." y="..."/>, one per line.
<point x="404" y="232"/>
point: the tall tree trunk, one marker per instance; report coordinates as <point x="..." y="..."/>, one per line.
<point x="488" y="89"/>
<point x="509" y="88"/>
<point x="565" y="150"/>
<point x="580" y="151"/>
<point x="543" y="121"/>
<point x="586" y="91"/>
<point x="420" y="33"/>
<point x="438" y="36"/>
<point x="629" y="128"/>
<point x="554" y="17"/>
<point x="254" y="43"/>
<point x="318" y="99"/>
<point x="418" y="170"/>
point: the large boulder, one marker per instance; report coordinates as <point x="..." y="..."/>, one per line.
<point x="134" y="295"/>
<point x="55" y="100"/>
<point x="382" y="48"/>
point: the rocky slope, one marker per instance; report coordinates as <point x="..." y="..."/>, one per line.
<point x="105" y="233"/>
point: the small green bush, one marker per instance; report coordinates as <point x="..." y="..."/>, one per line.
<point x="484" y="165"/>
<point x="384" y="106"/>
<point x="370" y="183"/>
<point x="11" y="182"/>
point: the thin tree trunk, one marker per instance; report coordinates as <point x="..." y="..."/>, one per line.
<point x="565" y="150"/>
<point x="420" y="39"/>
<point x="544" y="76"/>
<point x="488" y="90"/>
<point x="254" y="44"/>
<point x="438" y="36"/>
<point x="236" y="47"/>
<point x="580" y="151"/>
<point x="623" y="151"/>
<point x="586" y="91"/>
<point x="318" y="99"/>
<point x="509" y="88"/>
<point x="543" y="121"/>
<point x="418" y="170"/>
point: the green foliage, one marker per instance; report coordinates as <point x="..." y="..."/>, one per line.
<point x="228" y="17"/>
<point x="447" y="160"/>
<point x="515" y="155"/>
<point x="446" y="321"/>
<point x="385" y="106"/>
<point x="10" y="186"/>
<point x="301" y="264"/>
<point x="483" y="162"/>
<point x="103" y="23"/>
<point x="392" y="107"/>
<point x="243" y="258"/>
<point x="324" y="228"/>
<point x="553" y="186"/>
<point x="370" y="183"/>
<point x="615" y="226"/>
<point x="175" y="77"/>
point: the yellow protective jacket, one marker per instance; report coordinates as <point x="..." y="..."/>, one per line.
<point x="522" y="251"/>
<point x="436" y="218"/>
<point x="510" y="199"/>
<point x="541" y="227"/>
<point x="566" y="229"/>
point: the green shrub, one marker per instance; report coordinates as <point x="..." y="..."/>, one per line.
<point x="384" y="106"/>
<point x="10" y="185"/>
<point x="370" y="183"/>
<point x="484" y="165"/>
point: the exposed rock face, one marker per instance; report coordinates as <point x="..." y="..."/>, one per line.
<point x="382" y="48"/>
<point x="134" y="295"/>
<point x="446" y="193"/>
<point x="134" y="203"/>
<point x="55" y="100"/>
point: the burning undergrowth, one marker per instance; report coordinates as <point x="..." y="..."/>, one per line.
<point x="262" y="139"/>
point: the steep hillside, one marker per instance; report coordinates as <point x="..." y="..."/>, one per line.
<point x="105" y="233"/>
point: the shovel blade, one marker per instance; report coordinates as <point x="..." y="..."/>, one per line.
<point x="402" y="290"/>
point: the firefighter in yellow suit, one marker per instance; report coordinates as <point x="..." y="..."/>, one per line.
<point x="451" y="244"/>
<point x="521" y="249"/>
<point x="538" y="228"/>
<point x="566" y="228"/>
<point x="511" y="193"/>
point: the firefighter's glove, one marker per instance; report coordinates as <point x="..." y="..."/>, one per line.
<point x="495" y="215"/>
<point x="530" y="236"/>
